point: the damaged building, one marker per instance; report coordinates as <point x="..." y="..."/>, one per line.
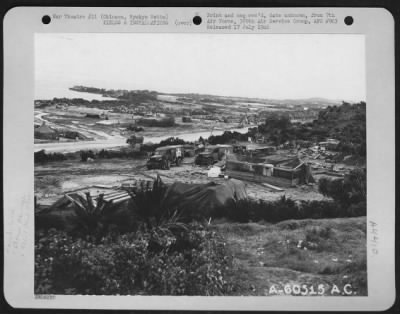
<point x="275" y="170"/>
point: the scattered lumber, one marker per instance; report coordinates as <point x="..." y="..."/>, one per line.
<point x="273" y="187"/>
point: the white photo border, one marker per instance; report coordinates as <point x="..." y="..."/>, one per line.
<point x="20" y="26"/>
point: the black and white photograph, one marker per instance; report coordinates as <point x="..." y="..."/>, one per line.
<point x="200" y="164"/>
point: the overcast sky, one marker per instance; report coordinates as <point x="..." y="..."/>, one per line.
<point x="266" y="66"/>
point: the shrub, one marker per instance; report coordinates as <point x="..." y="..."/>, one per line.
<point x="147" y="202"/>
<point x="123" y="153"/>
<point x="92" y="218"/>
<point x="165" y="122"/>
<point x="87" y="154"/>
<point x="227" y="137"/>
<point x="172" y="141"/>
<point x="255" y="210"/>
<point x="45" y="221"/>
<point x="351" y="190"/>
<point x="285" y="208"/>
<point x="319" y="209"/>
<point x="128" y="265"/>
<point x="41" y="156"/>
<point x="135" y="128"/>
<point x="359" y="209"/>
<point x="321" y="239"/>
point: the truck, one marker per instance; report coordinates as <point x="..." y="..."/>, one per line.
<point x="134" y="139"/>
<point x="213" y="154"/>
<point x="164" y="156"/>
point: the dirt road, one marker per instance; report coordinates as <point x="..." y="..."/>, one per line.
<point x="64" y="147"/>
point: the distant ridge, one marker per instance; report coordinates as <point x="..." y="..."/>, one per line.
<point x="312" y="102"/>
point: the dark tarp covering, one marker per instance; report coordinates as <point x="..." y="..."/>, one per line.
<point x="204" y="197"/>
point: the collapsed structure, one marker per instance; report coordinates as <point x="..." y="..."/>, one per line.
<point x="71" y="198"/>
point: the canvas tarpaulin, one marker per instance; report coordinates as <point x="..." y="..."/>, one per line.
<point x="204" y="197"/>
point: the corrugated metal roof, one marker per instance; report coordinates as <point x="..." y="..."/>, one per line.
<point x="111" y="195"/>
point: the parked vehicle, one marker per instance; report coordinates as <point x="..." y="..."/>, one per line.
<point x="213" y="154"/>
<point x="189" y="150"/>
<point x="163" y="157"/>
<point x="135" y="140"/>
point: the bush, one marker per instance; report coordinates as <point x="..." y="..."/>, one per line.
<point x="123" y="153"/>
<point x="147" y="202"/>
<point x="92" y="218"/>
<point x="47" y="221"/>
<point x="350" y="193"/>
<point x="85" y="154"/>
<point x="135" y="128"/>
<point x="359" y="209"/>
<point x="41" y="156"/>
<point x="128" y="265"/>
<point x="319" y="209"/>
<point x="172" y="141"/>
<point x="255" y="210"/>
<point x="165" y="122"/>
<point x="227" y="137"/>
<point x="285" y="208"/>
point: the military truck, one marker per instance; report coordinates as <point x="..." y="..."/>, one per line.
<point x="189" y="150"/>
<point x="135" y="140"/>
<point x="164" y="156"/>
<point x="213" y="154"/>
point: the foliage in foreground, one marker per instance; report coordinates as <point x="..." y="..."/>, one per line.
<point x="157" y="254"/>
<point x="155" y="262"/>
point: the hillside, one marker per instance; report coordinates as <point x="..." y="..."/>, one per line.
<point x="346" y="123"/>
<point x="145" y="95"/>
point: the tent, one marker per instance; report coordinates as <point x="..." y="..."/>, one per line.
<point x="204" y="197"/>
<point x="45" y="132"/>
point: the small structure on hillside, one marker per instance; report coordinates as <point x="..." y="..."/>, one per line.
<point x="45" y="132"/>
<point x="93" y="115"/>
<point x="186" y="119"/>
<point x="253" y="148"/>
<point x="330" y="144"/>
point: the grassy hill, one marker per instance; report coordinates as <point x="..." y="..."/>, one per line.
<point x="328" y="252"/>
